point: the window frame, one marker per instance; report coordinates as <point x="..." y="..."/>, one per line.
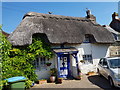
<point x="41" y="63"/>
<point x="88" y="58"/>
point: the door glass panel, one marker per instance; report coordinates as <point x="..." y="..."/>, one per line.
<point x="63" y="66"/>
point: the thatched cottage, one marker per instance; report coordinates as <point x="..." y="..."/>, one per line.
<point x="72" y="39"/>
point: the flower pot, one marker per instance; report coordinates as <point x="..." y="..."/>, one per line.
<point x="52" y="78"/>
<point x="60" y="80"/>
<point x="91" y="73"/>
<point x="42" y="81"/>
<point x="79" y="77"/>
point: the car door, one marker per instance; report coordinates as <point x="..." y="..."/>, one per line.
<point x="105" y="68"/>
<point x="100" y="66"/>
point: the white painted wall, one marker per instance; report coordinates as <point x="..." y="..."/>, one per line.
<point x="73" y="66"/>
<point x="45" y="73"/>
<point x="97" y="50"/>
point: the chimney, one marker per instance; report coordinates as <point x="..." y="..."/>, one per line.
<point x="115" y="16"/>
<point x="89" y="15"/>
<point x="88" y="12"/>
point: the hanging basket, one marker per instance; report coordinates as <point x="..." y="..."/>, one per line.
<point x="48" y="64"/>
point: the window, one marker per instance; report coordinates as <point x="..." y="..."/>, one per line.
<point x="101" y="61"/>
<point x="118" y="37"/>
<point x="40" y="63"/>
<point x="88" y="58"/>
<point x="87" y="39"/>
<point x="104" y="62"/>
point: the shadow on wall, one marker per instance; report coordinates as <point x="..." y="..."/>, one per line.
<point x="99" y="81"/>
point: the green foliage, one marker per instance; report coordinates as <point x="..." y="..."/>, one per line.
<point x="53" y="71"/>
<point x="18" y="61"/>
<point x="28" y="83"/>
<point x="3" y="83"/>
<point x="5" y="46"/>
<point x="40" y="48"/>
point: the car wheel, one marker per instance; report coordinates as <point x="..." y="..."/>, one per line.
<point x="111" y="82"/>
<point x="98" y="72"/>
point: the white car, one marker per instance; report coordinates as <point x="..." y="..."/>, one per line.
<point x="110" y="69"/>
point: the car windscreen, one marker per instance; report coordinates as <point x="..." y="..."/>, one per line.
<point x="114" y="63"/>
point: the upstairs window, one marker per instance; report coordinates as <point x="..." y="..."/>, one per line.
<point x="117" y="37"/>
<point x="87" y="39"/>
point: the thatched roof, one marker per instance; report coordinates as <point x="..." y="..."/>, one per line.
<point x="59" y="29"/>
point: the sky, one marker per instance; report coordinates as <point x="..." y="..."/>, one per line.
<point x="13" y="12"/>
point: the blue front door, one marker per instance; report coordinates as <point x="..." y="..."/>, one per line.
<point x="64" y="65"/>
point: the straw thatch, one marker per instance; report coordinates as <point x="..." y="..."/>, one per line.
<point x="59" y="29"/>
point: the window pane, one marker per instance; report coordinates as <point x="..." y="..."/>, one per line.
<point x="88" y="58"/>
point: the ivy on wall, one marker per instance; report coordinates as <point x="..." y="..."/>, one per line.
<point x="18" y="61"/>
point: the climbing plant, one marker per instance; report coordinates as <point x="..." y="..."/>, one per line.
<point x="18" y="61"/>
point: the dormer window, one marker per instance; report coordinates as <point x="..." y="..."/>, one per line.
<point x="117" y="37"/>
<point x="89" y="39"/>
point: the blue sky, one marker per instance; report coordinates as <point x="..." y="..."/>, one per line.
<point x="12" y="12"/>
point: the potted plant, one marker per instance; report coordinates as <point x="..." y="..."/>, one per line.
<point x="60" y="80"/>
<point x="53" y="72"/>
<point x="79" y="77"/>
<point x="48" y="63"/>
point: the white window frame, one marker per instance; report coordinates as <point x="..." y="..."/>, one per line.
<point x="88" y="58"/>
<point x="41" y="63"/>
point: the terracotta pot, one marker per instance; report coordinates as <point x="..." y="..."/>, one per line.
<point x="52" y="78"/>
<point x="60" y="80"/>
<point x="91" y="73"/>
<point x="79" y="77"/>
<point x="42" y="81"/>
